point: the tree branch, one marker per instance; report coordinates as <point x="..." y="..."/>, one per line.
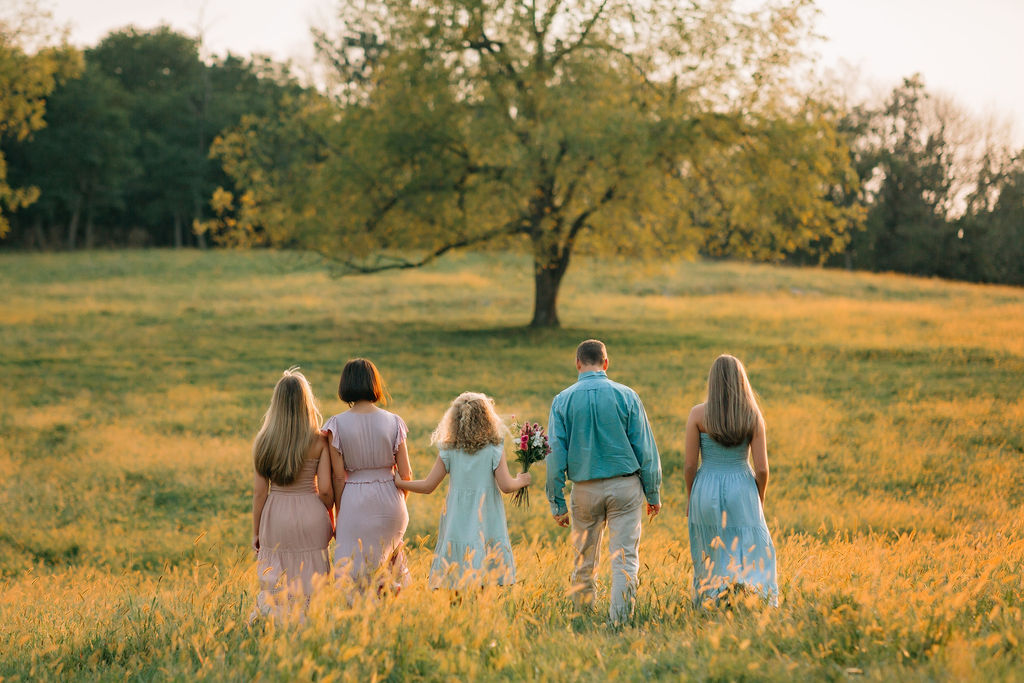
<point x="484" y="45"/>
<point x="549" y="16"/>
<point x="384" y="262"/>
<point x="582" y="39"/>
<point x="580" y="221"/>
<point x="491" y="170"/>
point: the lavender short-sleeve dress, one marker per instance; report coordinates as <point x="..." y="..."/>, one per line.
<point x="372" y="517"/>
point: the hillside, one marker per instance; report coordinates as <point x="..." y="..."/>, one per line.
<point x="135" y="381"/>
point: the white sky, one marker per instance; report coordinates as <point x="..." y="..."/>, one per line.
<point x="970" y="49"/>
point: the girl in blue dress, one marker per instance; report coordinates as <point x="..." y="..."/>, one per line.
<point x="729" y="540"/>
<point x="473" y="547"/>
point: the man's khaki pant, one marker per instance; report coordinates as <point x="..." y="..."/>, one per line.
<point x="617" y="502"/>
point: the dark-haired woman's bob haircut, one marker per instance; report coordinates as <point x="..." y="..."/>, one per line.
<point x="360" y="381"/>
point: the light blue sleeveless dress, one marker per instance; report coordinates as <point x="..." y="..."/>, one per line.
<point x="729" y="539"/>
<point x="473" y="547"/>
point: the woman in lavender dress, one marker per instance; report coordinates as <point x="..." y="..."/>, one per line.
<point x="367" y="444"/>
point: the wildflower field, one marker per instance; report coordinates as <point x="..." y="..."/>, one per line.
<point x="133" y="383"/>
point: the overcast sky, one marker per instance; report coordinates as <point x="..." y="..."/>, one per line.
<point x="971" y="49"/>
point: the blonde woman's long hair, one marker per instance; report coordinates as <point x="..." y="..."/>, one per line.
<point x="289" y="428"/>
<point x="731" y="413"/>
<point x="469" y="424"/>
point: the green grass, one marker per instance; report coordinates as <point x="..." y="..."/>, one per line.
<point x="135" y="381"/>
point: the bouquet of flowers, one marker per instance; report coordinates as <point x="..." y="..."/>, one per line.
<point x="531" y="446"/>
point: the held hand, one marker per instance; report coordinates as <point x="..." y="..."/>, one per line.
<point x="400" y="484"/>
<point x="525" y="479"/>
<point x="653" y="510"/>
<point x="562" y="519"/>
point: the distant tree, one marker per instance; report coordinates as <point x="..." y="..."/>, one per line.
<point x="162" y="73"/>
<point x="256" y="88"/>
<point x="29" y="71"/>
<point x="132" y="137"/>
<point x="907" y="228"/>
<point x="849" y="193"/>
<point x="991" y="231"/>
<point x="624" y="126"/>
<point x="82" y="160"/>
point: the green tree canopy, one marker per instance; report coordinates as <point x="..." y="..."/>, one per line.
<point x="125" y="150"/>
<point x="906" y="228"/>
<point x="28" y="73"/>
<point x="627" y="126"/>
<point x="162" y="72"/>
<point x="991" y="231"/>
<point x="82" y="160"/>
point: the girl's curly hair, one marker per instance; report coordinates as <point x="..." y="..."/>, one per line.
<point x="469" y="424"/>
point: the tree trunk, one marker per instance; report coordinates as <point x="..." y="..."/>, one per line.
<point x="177" y="231"/>
<point x="547" y="278"/>
<point x="90" y="230"/>
<point x="76" y="215"/>
<point x="37" y="231"/>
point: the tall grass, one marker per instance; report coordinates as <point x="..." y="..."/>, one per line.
<point x="135" y="381"/>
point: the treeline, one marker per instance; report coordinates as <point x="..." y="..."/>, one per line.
<point x="944" y="193"/>
<point x="124" y="156"/>
<point x="121" y="157"/>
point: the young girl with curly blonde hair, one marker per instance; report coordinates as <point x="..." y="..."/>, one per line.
<point x="473" y="547"/>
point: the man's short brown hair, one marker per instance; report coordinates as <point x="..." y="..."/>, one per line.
<point x="591" y="352"/>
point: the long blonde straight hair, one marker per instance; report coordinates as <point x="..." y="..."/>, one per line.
<point x="291" y="424"/>
<point x="731" y="413"/>
<point x="469" y="424"/>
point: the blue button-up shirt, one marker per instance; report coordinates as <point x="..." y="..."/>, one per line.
<point x="598" y="429"/>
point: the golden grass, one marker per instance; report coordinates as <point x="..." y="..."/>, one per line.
<point x="136" y="380"/>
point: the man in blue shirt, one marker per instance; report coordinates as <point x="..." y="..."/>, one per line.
<point x="601" y="439"/>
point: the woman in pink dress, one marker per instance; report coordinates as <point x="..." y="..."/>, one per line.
<point x="367" y="444"/>
<point x="292" y="497"/>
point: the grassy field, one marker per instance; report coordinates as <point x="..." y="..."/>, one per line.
<point x="135" y="381"/>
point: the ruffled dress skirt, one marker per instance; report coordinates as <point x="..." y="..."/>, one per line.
<point x="295" y="529"/>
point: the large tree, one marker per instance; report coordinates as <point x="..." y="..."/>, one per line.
<point x="161" y="71"/>
<point x="30" y="68"/>
<point x="81" y="161"/>
<point x="632" y="126"/>
<point x="991" y="231"/>
<point x="907" y="228"/>
<point x="124" y="157"/>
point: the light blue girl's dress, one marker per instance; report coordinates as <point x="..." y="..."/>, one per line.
<point x="473" y="547"/>
<point x="729" y="539"/>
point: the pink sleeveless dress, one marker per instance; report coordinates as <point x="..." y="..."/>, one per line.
<point x="295" y="529"/>
<point x="372" y="516"/>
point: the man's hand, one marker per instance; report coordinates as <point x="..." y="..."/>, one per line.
<point x="653" y="510"/>
<point x="562" y="519"/>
